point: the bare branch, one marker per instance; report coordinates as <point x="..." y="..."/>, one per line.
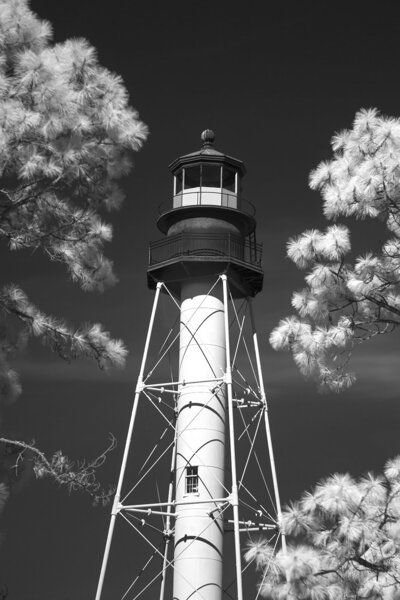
<point x="76" y="476"/>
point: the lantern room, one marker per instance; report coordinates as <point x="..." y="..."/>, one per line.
<point x="207" y="177"/>
<point x="207" y="193"/>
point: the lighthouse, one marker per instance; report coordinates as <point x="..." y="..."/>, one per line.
<point x="207" y="259"/>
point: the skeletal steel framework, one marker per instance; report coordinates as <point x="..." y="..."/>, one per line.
<point x="209" y="406"/>
<point x="243" y="510"/>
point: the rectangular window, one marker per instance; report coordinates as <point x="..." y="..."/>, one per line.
<point x="192" y="480"/>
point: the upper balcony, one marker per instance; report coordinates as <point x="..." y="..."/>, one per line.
<point x="177" y="257"/>
<point x="206" y="247"/>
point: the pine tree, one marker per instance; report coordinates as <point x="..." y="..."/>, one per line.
<point x="67" y="132"/>
<point x="344" y="542"/>
<point x="344" y="536"/>
<point x="346" y="303"/>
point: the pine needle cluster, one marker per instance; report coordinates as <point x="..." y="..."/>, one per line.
<point x="67" y="133"/>
<point x="346" y="303"/>
<point x="345" y="542"/>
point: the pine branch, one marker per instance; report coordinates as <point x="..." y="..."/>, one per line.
<point x="76" y="476"/>
<point x="91" y="341"/>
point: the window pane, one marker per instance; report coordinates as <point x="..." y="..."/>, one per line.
<point x="192" y="480"/>
<point x="192" y="177"/>
<point x="211" y="176"/>
<point x="228" y="179"/>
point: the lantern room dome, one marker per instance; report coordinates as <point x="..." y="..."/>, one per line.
<point x="207" y="153"/>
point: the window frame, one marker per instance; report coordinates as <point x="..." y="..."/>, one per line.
<point x="192" y="480"/>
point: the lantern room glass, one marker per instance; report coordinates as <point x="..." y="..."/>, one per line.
<point x="206" y="184"/>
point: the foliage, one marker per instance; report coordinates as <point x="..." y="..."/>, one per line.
<point x="346" y="536"/>
<point x="347" y="303"/>
<point x="77" y="476"/>
<point x="66" y="135"/>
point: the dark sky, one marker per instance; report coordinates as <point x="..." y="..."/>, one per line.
<point x="274" y="81"/>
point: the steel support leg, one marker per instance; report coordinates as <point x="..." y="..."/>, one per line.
<point x="267" y="428"/>
<point x="115" y="508"/>
<point x="168" y="520"/>
<point x="235" y="496"/>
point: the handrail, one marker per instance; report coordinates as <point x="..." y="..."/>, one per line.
<point x="214" y="246"/>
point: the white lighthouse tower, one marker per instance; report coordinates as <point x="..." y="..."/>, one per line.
<point x="207" y="261"/>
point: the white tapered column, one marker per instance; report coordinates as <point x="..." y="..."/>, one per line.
<point x="198" y="548"/>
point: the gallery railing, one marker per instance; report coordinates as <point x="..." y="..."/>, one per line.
<point x="215" y="246"/>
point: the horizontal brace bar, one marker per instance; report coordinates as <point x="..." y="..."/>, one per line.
<point x="246" y="529"/>
<point x="173" y="503"/>
<point x="246" y="404"/>
<point x="253" y="524"/>
<point x="148" y="512"/>
<point x="162" y="390"/>
<point x="246" y="401"/>
<point x="209" y="501"/>
<point x="153" y="505"/>
<point x="157" y="386"/>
